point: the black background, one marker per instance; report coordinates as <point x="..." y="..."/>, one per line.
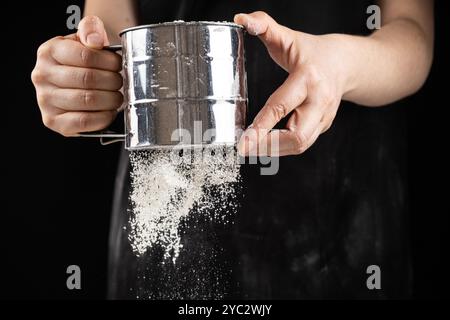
<point x="58" y="191"/>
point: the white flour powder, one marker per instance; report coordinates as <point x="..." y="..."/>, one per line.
<point x="168" y="184"/>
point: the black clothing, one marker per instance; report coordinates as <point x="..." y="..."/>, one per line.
<point x="309" y="231"/>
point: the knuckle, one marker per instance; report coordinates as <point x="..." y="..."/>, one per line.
<point x="44" y="97"/>
<point x="88" y="78"/>
<point x="278" y="110"/>
<point x="83" y="121"/>
<point x="48" y="121"/>
<point x="88" y="98"/>
<point x="37" y="76"/>
<point x="43" y="50"/>
<point x="261" y="14"/>
<point x="87" y="56"/>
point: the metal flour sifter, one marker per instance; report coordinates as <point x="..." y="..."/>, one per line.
<point x="184" y="85"/>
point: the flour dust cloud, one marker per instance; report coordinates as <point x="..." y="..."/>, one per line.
<point x="172" y="186"/>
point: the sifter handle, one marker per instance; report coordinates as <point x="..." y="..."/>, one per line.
<point x="106" y="137"/>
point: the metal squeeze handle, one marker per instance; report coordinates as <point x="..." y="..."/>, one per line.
<point x="103" y="135"/>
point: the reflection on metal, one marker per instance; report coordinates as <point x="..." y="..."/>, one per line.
<point x="185" y="84"/>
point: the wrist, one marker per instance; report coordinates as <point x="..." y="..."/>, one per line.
<point x="348" y="62"/>
<point x="349" y="55"/>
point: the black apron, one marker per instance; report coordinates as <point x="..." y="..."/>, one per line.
<point x="309" y="231"/>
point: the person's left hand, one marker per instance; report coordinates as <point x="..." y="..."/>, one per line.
<point x="312" y="92"/>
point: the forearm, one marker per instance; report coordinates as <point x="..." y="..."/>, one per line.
<point x="388" y="65"/>
<point x="115" y="14"/>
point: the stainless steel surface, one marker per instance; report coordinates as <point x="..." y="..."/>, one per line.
<point x="184" y="84"/>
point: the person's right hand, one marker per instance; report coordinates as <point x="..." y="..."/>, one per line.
<point x="76" y="82"/>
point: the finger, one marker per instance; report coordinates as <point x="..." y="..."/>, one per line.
<point x="82" y="100"/>
<point x="318" y="110"/>
<point x="304" y="122"/>
<point x="287" y="97"/>
<point x="84" y="78"/>
<point x="264" y="26"/>
<point x="279" y="143"/>
<point x="248" y="142"/>
<point x="72" y="123"/>
<point x="92" y="33"/>
<point x="275" y="143"/>
<point x="277" y="38"/>
<point x="303" y="128"/>
<point x="283" y="143"/>
<point x="73" y="53"/>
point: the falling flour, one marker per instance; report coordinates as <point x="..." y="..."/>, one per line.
<point x="167" y="185"/>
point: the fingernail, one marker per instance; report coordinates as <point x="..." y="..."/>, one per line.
<point x="236" y="16"/>
<point x="252" y="26"/>
<point x="247" y="23"/>
<point x="94" y="39"/>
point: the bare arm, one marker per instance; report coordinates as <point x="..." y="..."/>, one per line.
<point x="394" y="61"/>
<point x="115" y="14"/>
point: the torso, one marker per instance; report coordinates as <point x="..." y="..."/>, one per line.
<point x="311" y="230"/>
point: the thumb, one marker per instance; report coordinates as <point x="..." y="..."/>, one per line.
<point x="278" y="39"/>
<point x="92" y="33"/>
